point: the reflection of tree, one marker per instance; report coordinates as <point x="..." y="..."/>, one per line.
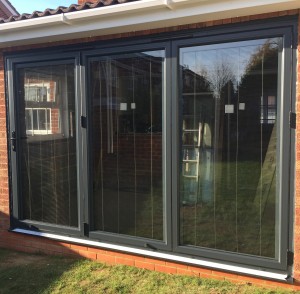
<point x="264" y="54"/>
<point x="194" y="82"/>
<point x="219" y="75"/>
<point x="257" y="83"/>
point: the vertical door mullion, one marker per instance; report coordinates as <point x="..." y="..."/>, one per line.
<point x="12" y="127"/>
<point x="175" y="144"/>
<point x="167" y="145"/>
<point x="284" y="144"/>
<point x="82" y="144"/>
<point x="292" y="159"/>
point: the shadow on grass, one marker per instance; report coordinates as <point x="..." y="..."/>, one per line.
<point x="24" y="273"/>
<point x="27" y="273"/>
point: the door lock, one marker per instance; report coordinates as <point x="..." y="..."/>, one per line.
<point x="13" y="141"/>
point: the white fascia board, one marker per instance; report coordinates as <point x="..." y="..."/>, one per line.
<point x="132" y="16"/>
<point x="44" y="22"/>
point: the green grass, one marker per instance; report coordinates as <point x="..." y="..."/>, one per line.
<point x="233" y="220"/>
<point x="24" y="273"/>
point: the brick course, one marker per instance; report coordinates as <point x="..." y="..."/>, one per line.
<point x="35" y="244"/>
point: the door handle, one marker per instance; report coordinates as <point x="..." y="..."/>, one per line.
<point x="13" y="141"/>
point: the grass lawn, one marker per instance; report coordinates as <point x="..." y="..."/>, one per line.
<point x="28" y="273"/>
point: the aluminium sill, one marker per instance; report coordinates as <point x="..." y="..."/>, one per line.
<point x="171" y="257"/>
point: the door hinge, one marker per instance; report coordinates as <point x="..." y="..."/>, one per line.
<point x="290" y="258"/>
<point x="86" y="229"/>
<point x="83" y="122"/>
<point x="293" y="118"/>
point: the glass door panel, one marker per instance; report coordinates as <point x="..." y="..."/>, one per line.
<point x="48" y="165"/>
<point x="228" y="193"/>
<point x="126" y="92"/>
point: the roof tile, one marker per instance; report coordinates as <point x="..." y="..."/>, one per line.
<point x="63" y="9"/>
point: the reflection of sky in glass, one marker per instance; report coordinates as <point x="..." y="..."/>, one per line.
<point x="229" y="58"/>
<point x="158" y="53"/>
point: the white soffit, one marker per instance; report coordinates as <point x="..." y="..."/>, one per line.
<point x="132" y="16"/>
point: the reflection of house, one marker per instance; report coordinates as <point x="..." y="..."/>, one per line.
<point x="38" y="119"/>
<point x="6" y="9"/>
<point x="43" y="110"/>
<point x="157" y="129"/>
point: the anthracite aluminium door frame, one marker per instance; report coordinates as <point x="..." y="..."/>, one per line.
<point x="13" y="65"/>
<point x="285" y="27"/>
<point x="283" y="143"/>
<point x="95" y="55"/>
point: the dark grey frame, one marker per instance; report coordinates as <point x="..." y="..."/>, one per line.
<point x="283" y="151"/>
<point x="166" y="109"/>
<point x="12" y="67"/>
<point x="284" y="26"/>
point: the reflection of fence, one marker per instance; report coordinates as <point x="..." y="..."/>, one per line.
<point x="267" y="182"/>
<point x="131" y="162"/>
<point x="49" y="182"/>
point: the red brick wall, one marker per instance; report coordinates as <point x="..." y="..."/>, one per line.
<point x="34" y="244"/>
<point x="143" y="159"/>
<point x="4" y="190"/>
<point x="144" y="144"/>
<point x="3" y="14"/>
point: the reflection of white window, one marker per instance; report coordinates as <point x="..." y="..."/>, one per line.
<point x="268" y="110"/>
<point x="38" y="92"/>
<point x="38" y="121"/>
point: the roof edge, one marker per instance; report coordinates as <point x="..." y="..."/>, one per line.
<point x="132" y="16"/>
<point x="62" y="9"/>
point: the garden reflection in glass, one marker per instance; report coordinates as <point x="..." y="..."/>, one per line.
<point x="126" y="93"/>
<point x="228" y="101"/>
<point x="48" y="144"/>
